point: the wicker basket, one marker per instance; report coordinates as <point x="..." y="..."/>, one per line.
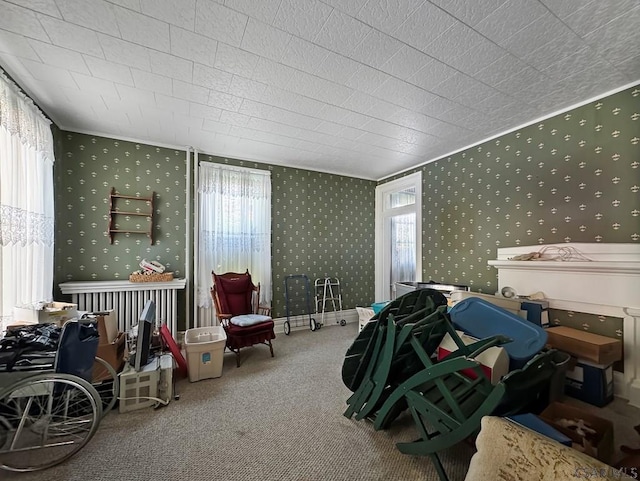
<point x="164" y="277"/>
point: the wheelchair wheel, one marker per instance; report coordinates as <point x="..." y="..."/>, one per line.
<point x="287" y="328"/>
<point x="45" y="419"/>
<point x="105" y="381"/>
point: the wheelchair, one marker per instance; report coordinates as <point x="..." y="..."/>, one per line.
<point x="48" y="412"/>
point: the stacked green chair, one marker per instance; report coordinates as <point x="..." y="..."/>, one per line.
<point x="392" y="368"/>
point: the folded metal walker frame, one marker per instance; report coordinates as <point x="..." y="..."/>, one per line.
<point x="390" y="368"/>
<point x="328" y="290"/>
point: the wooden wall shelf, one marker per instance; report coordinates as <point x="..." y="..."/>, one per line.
<point x="114" y="211"/>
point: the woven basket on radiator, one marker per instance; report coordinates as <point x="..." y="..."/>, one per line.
<point x="164" y="277"/>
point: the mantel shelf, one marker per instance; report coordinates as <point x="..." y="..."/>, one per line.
<point x="612" y="267"/>
<point x="122" y="212"/>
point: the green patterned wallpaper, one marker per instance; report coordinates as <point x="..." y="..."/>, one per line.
<point x="572" y="178"/>
<point x="322" y="223"/>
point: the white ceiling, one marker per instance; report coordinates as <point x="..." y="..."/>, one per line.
<point x="364" y="88"/>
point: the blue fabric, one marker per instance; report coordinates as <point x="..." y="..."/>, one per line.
<point x="248" y="319"/>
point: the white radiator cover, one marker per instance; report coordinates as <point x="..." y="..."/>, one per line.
<point x="127" y="299"/>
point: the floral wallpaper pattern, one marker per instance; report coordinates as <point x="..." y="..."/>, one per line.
<point x="322" y="223"/>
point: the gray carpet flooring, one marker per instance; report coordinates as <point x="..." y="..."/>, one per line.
<point x="270" y="419"/>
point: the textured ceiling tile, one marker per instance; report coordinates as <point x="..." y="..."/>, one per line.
<point x="124" y="52"/>
<point x="265" y="40"/>
<point x="564" y="8"/>
<point x="366" y="79"/>
<point x="403" y="93"/>
<point x="455" y="41"/>
<point x="264" y="10"/>
<point x="107" y="70"/>
<point x="73" y="37"/>
<point x="331" y="92"/>
<point x="255" y="109"/>
<point x="619" y="38"/>
<point x="48" y="7"/>
<point x="181" y="13"/>
<point x="150" y="81"/>
<point x="337" y="67"/>
<point x="215" y="126"/>
<point x="406" y="62"/>
<point x="302" y="18"/>
<point x="332" y="113"/>
<point x="188" y="91"/>
<point x="17" y="45"/>
<point x="246" y="88"/>
<point x="143" y="30"/>
<point x="173" y="104"/>
<point x="554" y="51"/>
<point x="596" y="14"/>
<point x="376" y="49"/>
<point x="358" y="102"/>
<point x="204" y="111"/>
<point x="509" y="18"/>
<point x="342" y="33"/>
<point x="192" y="46"/>
<point x="234" y="60"/>
<point x="96" y="85"/>
<point x="432" y="74"/>
<point x="478" y="57"/>
<point x="94" y="14"/>
<point x="413" y="31"/>
<point x="354" y="119"/>
<point x="502" y="68"/>
<point x="387" y="15"/>
<point x="220" y="23"/>
<point x="135" y="95"/>
<point x="224" y="101"/>
<point x="630" y="67"/>
<point x="538" y="33"/>
<point x="294" y="119"/>
<point x="517" y="83"/>
<point x="131" y="4"/>
<point x="303" y="55"/>
<point x="473" y="92"/>
<point x="472" y="12"/>
<point x="55" y="75"/>
<point x="59" y="57"/>
<point x="350" y="7"/>
<point x="234" y="118"/>
<point x="211" y="78"/>
<point x="172" y="66"/>
<point x="583" y="59"/>
<point x="383" y="109"/>
<point x="272" y="73"/>
<point x="22" y="21"/>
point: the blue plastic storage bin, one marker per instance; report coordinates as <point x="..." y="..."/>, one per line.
<point x="378" y="306"/>
<point x="481" y="319"/>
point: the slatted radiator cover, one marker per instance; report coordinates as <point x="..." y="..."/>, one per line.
<point x="127" y="299"/>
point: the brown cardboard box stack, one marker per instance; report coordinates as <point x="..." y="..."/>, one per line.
<point x="53" y="312"/>
<point x="112" y="343"/>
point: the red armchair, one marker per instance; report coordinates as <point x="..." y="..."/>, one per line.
<point x="246" y="323"/>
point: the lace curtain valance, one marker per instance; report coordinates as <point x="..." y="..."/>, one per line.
<point x="20" y="117"/>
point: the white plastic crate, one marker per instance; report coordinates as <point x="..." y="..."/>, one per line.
<point x="204" y="347"/>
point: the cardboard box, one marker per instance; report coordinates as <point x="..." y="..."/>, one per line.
<point x="585" y="345"/>
<point x="53" y="312"/>
<point x="113" y="353"/>
<point x="598" y="445"/>
<point x="589" y="382"/>
<point x="106" y="323"/>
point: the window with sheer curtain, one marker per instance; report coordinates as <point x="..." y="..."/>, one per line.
<point x="234" y="226"/>
<point x="26" y="202"/>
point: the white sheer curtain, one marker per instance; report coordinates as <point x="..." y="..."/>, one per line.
<point x="234" y="226"/>
<point x="26" y="202"/>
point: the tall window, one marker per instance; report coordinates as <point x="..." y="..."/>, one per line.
<point x="26" y="202"/>
<point x="234" y="226"/>
<point x="398" y="230"/>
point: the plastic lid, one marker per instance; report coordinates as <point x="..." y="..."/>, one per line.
<point x="481" y="319"/>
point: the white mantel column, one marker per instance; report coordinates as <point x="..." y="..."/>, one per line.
<point x="631" y="330"/>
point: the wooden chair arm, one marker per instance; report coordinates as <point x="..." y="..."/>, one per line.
<point x="264" y="310"/>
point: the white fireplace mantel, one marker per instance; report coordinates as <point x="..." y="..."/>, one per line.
<point x="607" y="284"/>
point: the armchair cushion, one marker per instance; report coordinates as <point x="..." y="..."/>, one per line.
<point x="245" y="320"/>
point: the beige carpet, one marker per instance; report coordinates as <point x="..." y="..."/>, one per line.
<point x="269" y="420"/>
